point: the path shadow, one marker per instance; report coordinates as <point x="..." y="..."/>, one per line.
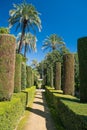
<point x="45" y="114"/>
<point x="38" y="97"/>
<point x="39" y="103"/>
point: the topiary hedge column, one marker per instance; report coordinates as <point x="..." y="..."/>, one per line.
<point x="68" y="82"/>
<point x="29" y="76"/>
<point x="51" y="77"/>
<point x="23" y="76"/>
<point x="7" y="66"/>
<point x="17" y="80"/>
<point x="82" y="55"/>
<point x="58" y="76"/>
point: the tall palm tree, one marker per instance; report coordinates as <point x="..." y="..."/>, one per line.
<point x="28" y="42"/>
<point x="34" y="63"/>
<point x="53" y="41"/>
<point x="26" y="17"/>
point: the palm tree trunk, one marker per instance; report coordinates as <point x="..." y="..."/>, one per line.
<point x="20" y="44"/>
<point x="25" y="50"/>
<point x="22" y="35"/>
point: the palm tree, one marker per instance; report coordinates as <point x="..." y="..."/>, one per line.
<point x="28" y="42"/>
<point x="34" y="63"/>
<point x="26" y="17"/>
<point x="53" y="41"/>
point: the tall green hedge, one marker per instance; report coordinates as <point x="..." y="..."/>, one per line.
<point x="48" y="77"/>
<point x="68" y="82"/>
<point x="58" y="76"/>
<point x="51" y="77"/>
<point x="17" y="80"/>
<point x="82" y="55"/>
<point x="7" y="66"/>
<point x="23" y="76"/>
<point x="29" y="76"/>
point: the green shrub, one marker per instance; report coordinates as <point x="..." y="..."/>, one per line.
<point x="72" y="113"/>
<point x="11" y="111"/>
<point x="29" y="94"/>
<point x="23" y="76"/>
<point x="7" y="66"/>
<point x="68" y="75"/>
<point x="58" y="76"/>
<point x="4" y="30"/>
<point x="82" y="55"/>
<point x="17" y="79"/>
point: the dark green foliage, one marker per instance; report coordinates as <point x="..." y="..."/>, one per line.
<point x="23" y="76"/>
<point x="29" y="76"/>
<point x="7" y="66"/>
<point x="32" y="78"/>
<point x="77" y="80"/>
<point x="11" y="112"/>
<point x="4" y="30"/>
<point x="71" y="112"/>
<point x="17" y="80"/>
<point x="82" y="55"/>
<point x="68" y="81"/>
<point x="58" y="76"/>
<point x="51" y="77"/>
<point x="29" y="94"/>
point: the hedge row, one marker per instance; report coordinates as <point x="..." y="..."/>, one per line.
<point x="71" y="112"/>
<point x="7" y="65"/>
<point x="11" y="111"/>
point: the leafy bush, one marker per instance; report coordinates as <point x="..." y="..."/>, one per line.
<point x="72" y="113"/>
<point x="11" y="111"/>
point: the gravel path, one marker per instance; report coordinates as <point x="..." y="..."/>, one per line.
<point x="40" y="118"/>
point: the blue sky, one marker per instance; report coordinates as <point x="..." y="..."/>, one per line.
<point x="67" y="18"/>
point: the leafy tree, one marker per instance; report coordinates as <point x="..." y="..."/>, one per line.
<point x="26" y="17"/>
<point x="53" y="42"/>
<point x="29" y="42"/>
<point x="4" y="30"/>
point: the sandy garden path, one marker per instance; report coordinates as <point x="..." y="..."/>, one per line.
<point x="40" y="118"/>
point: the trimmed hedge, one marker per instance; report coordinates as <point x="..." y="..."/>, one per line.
<point x="17" y="79"/>
<point x="11" y="111"/>
<point x="58" y="76"/>
<point x="51" y="77"/>
<point x="72" y="113"/>
<point x="82" y="55"/>
<point x="7" y="66"/>
<point x="29" y="76"/>
<point x="68" y="74"/>
<point x="23" y="76"/>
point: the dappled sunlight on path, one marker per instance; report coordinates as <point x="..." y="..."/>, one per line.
<point x="39" y="118"/>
